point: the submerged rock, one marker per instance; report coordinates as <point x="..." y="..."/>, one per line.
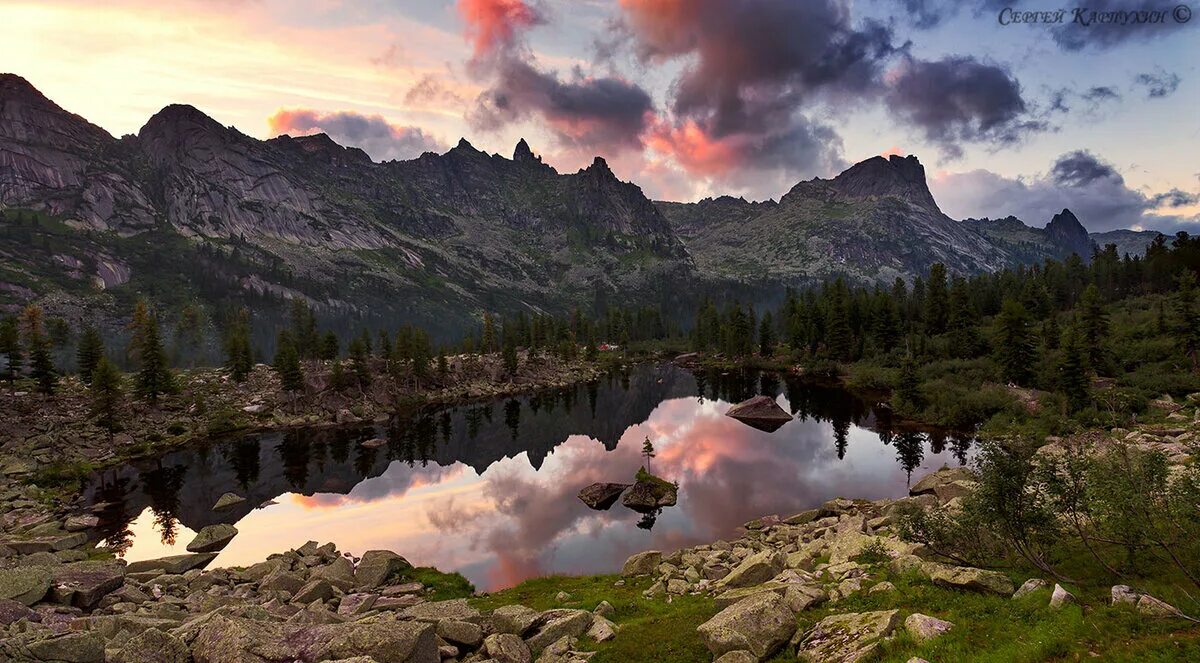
<point x="601" y="496"/>
<point x="761" y="412"/>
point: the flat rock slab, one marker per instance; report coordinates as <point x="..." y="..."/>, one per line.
<point x="761" y="412"/>
<point x="212" y="538"/>
<point x="25" y="584"/>
<point x="227" y="500"/>
<point x="601" y="496"/>
<point x="383" y="638"/>
<point x="176" y="564"/>
<point x="83" y="584"/>
<point x="847" y="638"/>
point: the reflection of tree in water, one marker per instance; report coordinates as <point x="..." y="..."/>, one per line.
<point x="162" y="485"/>
<point x="960" y="444"/>
<point x="648" y="519"/>
<point x="446" y="427"/>
<point x="769" y="384"/>
<point x="937" y="442"/>
<point x="114" y="521"/>
<point x="474" y="417"/>
<point x="242" y="456"/>
<point x="841" y="437"/>
<point x="364" y="460"/>
<point x="339" y="449"/>
<point x="910" y="451"/>
<point x="293" y="452"/>
<point x="593" y="391"/>
<point x="701" y="385"/>
<point x="512" y="416"/>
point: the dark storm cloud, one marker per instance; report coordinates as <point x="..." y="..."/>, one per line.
<point x="1158" y="84"/>
<point x="746" y="75"/>
<point x="1080" y="168"/>
<point x="1086" y="184"/>
<point x="1101" y="93"/>
<point x="960" y="99"/>
<point x="373" y="133"/>
<point x="584" y="111"/>
<point x="1103" y="24"/>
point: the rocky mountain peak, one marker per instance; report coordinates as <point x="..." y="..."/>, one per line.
<point x="1066" y="231"/>
<point x="895" y="176"/>
<point x="322" y="146"/>
<point x="600" y="168"/>
<point x="13" y="86"/>
<point x="522" y="153"/>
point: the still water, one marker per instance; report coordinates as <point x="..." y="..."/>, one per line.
<point x="489" y="489"/>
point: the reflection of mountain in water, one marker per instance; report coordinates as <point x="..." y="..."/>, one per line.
<point x="182" y="486"/>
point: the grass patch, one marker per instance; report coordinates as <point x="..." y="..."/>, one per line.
<point x="445" y="586"/>
<point x="650" y="629"/>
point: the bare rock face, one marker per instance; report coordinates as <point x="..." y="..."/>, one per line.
<point x="761" y="412"/>
<point x="601" y="496"/>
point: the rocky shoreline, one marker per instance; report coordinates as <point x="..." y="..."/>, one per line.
<point x="64" y="599"/>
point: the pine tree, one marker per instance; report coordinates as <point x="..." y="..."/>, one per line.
<point x="1094" y="323"/>
<point x="287" y="364"/>
<point x="89" y="353"/>
<point x="1014" y="345"/>
<point x="107" y="395"/>
<point x="509" y="355"/>
<point x="648" y="452"/>
<point x="40" y="362"/>
<point x="10" y="347"/>
<point x="1187" y="318"/>
<point x="239" y="358"/>
<point x="590" y="352"/>
<point x="963" y="330"/>
<point x="489" y="334"/>
<point x="766" y="335"/>
<point x="936" y="300"/>
<point x="329" y="346"/>
<point x="137" y="327"/>
<point x="886" y="322"/>
<point x="360" y="361"/>
<point x="838" y="333"/>
<point x="908" y="391"/>
<point x="189" y="333"/>
<point x="1051" y="332"/>
<point x="1072" y="374"/>
<point x="154" y="375"/>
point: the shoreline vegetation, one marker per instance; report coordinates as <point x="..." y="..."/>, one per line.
<point x="1074" y="533"/>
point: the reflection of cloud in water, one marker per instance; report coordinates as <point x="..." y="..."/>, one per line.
<point x="517" y="515"/>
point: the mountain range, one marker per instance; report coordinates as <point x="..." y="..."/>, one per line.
<point x="188" y="209"/>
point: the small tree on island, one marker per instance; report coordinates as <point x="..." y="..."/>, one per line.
<point x="648" y="452"/>
<point x="107" y="395"/>
<point x="287" y="364"/>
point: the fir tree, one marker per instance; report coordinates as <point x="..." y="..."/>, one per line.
<point x="1072" y="374"/>
<point x="838" y="334"/>
<point x="936" y="300"/>
<point x="489" y="334"/>
<point x="1094" y="323"/>
<point x="154" y="375"/>
<point x="1187" y="314"/>
<point x="10" y="347"/>
<point x="107" y="394"/>
<point x="648" y="453"/>
<point x="360" y="362"/>
<point x="239" y="357"/>
<point x="1051" y="332"/>
<point x="509" y="355"/>
<point x="287" y="364"/>
<point x="89" y="353"/>
<point x="962" y="323"/>
<point x="908" y="391"/>
<point x="766" y="335"/>
<point x="1014" y="346"/>
<point x="41" y="364"/>
<point x="329" y="346"/>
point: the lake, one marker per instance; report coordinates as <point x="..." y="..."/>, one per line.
<point x="489" y="489"/>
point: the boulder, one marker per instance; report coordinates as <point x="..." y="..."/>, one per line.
<point x="966" y="577"/>
<point x="227" y="500"/>
<point x="552" y="625"/>
<point x="377" y="566"/>
<point x="643" y="563"/>
<point x="84" y="647"/>
<point x="317" y="589"/>
<point x="847" y="638"/>
<point x="754" y="570"/>
<point x="80" y="523"/>
<point x="506" y="648"/>
<point x="212" y="538"/>
<point x="1060" y="598"/>
<point x="739" y="656"/>
<point x="1123" y="594"/>
<point x="436" y="611"/>
<point x="924" y="627"/>
<point x="25" y="584"/>
<point x="154" y="646"/>
<point x="601" y="496"/>
<point x="513" y="619"/>
<point x="83" y="584"/>
<point x="225" y="639"/>
<point x="460" y="633"/>
<point x="760" y="624"/>
<point x="946" y="483"/>
<point x="1148" y="605"/>
<point x="649" y="495"/>
<point x="176" y="564"/>
<point x="1030" y="586"/>
<point x="761" y="412"/>
<point x="601" y="629"/>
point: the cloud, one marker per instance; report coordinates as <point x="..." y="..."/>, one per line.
<point x="1101" y="93"/>
<point x="373" y="133"/>
<point x="1158" y="84"/>
<point x="585" y="111"/>
<point x="746" y="74"/>
<point x="960" y="99"/>
<point x="1087" y="185"/>
<point x="1103" y="24"/>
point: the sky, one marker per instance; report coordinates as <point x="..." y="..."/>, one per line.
<point x="686" y="98"/>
